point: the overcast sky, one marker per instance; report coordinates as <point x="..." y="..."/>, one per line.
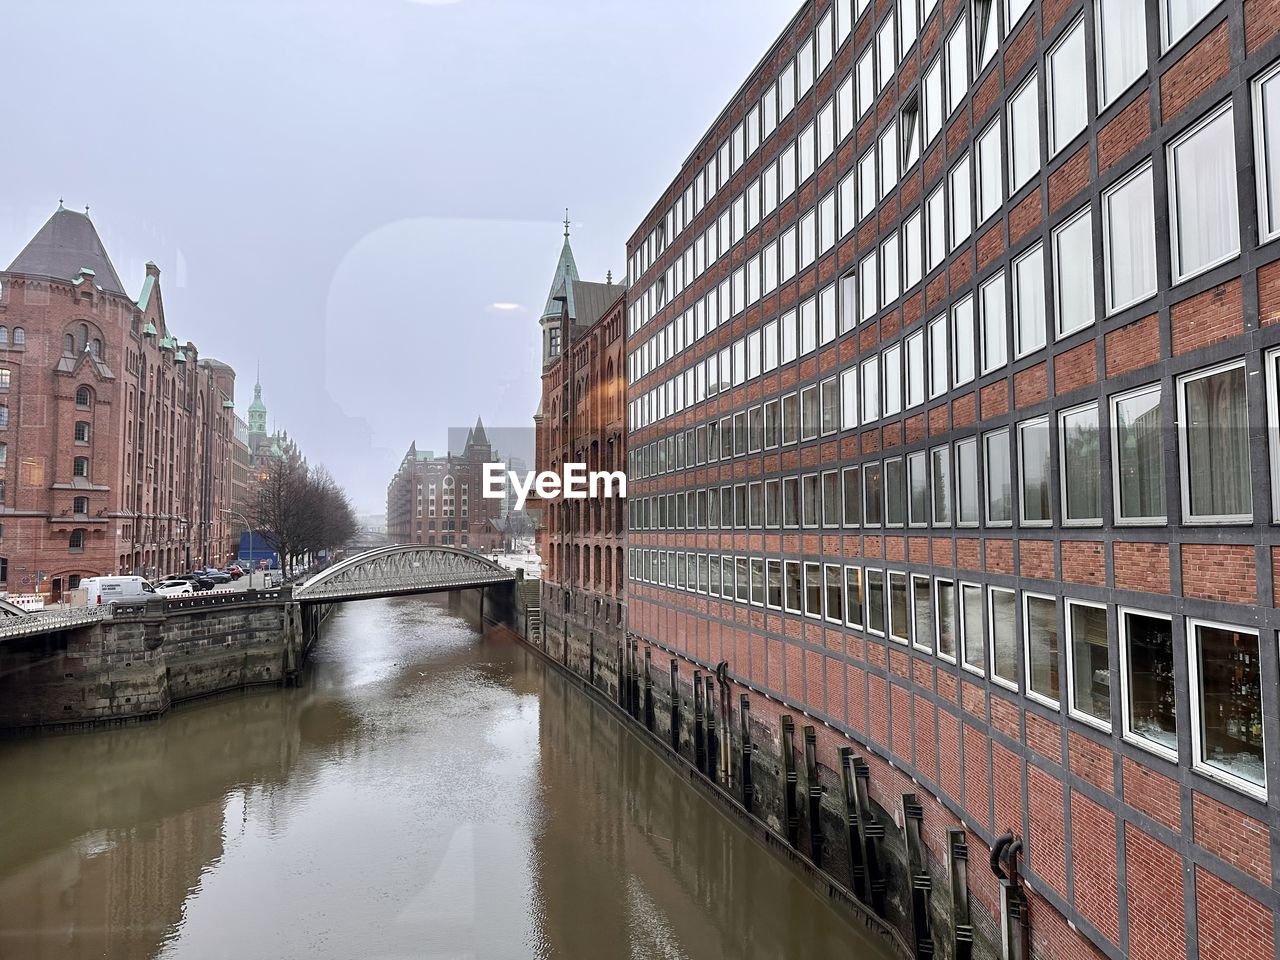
<point x="341" y="190"/>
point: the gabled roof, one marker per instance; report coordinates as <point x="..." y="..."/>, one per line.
<point x="67" y="243"/>
<point x="593" y="300"/>
<point x="566" y="274"/>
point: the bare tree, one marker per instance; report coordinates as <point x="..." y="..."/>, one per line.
<point x="301" y="509"/>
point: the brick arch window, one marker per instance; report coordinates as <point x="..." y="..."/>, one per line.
<point x="80" y="467"/>
<point x="4" y="454"/>
<point x="84" y="337"/>
<point x="96" y="348"/>
<point x="19" y="337"/>
<point x="82" y="431"/>
<point x="76" y="544"/>
<point x="68" y="345"/>
<point x="80" y="505"/>
<point x="4" y="416"/>
<point x="6" y="377"/>
<point x="83" y="397"/>
<point x="4" y="336"/>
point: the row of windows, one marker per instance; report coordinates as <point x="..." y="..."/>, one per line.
<point x="1120" y="31"/>
<point x="972" y="480"/>
<point x="977" y="627"/>
<point x="1012" y="311"/>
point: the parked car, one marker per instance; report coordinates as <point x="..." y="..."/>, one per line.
<point x="234" y="571"/>
<point x="197" y="580"/>
<point x="108" y="591"/>
<point x="214" y="574"/>
<point x="175" y="588"/>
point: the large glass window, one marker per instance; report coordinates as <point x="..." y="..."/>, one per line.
<point x="1202" y="195"/>
<point x="1068" y="104"/>
<point x="851" y="482"/>
<point x="962" y="346"/>
<point x="873" y="495"/>
<point x="899" y="617"/>
<point x="922" y="608"/>
<point x="967" y="482"/>
<point x="834" y="592"/>
<point x="853" y="596"/>
<point x="946" y="617"/>
<point x="1148" y="687"/>
<point x="1137" y="456"/>
<point x="1266" y="131"/>
<point x="1214" y="445"/>
<point x="1179" y="16"/>
<point x="990" y="171"/>
<point x="918" y="487"/>
<point x="1122" y="47"/>
<point x="1024" y="134"/>
<point x="895" y="490"/>
<point x="813" y="590"/>
<point x="1073" y="274"/>
<point x="999" y="476"/>
<point x="1227" y="680"/>
<point x="940" y="469"/>
<point x="958" y="188"/>
<point x="1033" y="461"/>
<point x="938" y="356"/>
<point x="1028" y="301"/>
<point x="1041" y="633"/>
<point x="1129" y="240"/>
<point x="875" y="602"/>
<point x="1003" y="619"/>
<point x="995" y="326"/>
<point x="1089" y="663"/>
<point x="972" y="637"/>
<point x="1078" y="448"/>
<point x="957" y="65"/>
<point x="794" y="595"/>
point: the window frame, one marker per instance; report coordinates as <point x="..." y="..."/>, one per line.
<point x="1072" y="710"/>
<point x="1177" y="273"/>
<point x="1195" y="695"/>
<point x="1127" y="733"/>
<point x="1184" y="474"/>
<point x="1031" y="693"/>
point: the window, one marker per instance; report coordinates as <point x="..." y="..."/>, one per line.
<point x="830" y="403"/>
<point x="1226" y="707"/>
<point x="986" y="33"/>
<point x="6" y="377"/>
<point x="866" y="184"/>
<point x="895" y="490"/>
<point x="849" y="399"/>
<point x="917" y="490"/>
<point x="847" y="203"/>
<point x="915" y="369"/>
<point x="932" y="92"/>
<point x="935" y="247"/>
<point x="1147" y="683"/>
<point x="873" y="495"/>
<point x="886" y="52"/>
<point x="1068" y="105"/>
<point x="1179" y="16"/>
<point x="938" y="367"/>
<point x="1073" y="274"/>
<point x="995" y="327"/>
<point x="794" y="600"/>
<point x="853" y="596"/>
<point x="834" y="593"/>
<point x="947" y="630"/>
<point x="990" y="172"/>
<point x="1266" y="121"/>
<point x="888" y="159"/>
<point x="82" y="397"/>
<point x="1203" y="213"/>
<point x="940" y="468"/>
<point x="80" y="505"/>
<point x="922" y="610"/>
<point x="76" y="543"/>
<point x="4" y="454"/>
<point x="957" y="65"/>
<point x="1033" y="462"/>
<point x="866" y="81"/>
<point x="80" y="467"/>
<point x="875" y="602"/>
<point x="19" y="340"/>
<point x="912" y="266"/>
<point x="844" y="109"/>
<point x="967" y="482"/>
<point x="1137" y="456"/>
<point x="958" y="192"/>
<point x="1028" y="301"/>
<point x="999" y="482"/>
<point x="1089" y="663"/>
<point x="871" y="389"/>
<point x="1002" y="616"/>
<point x="899" y="619"/>
<point x="962" y="349"/>
<point x="1078" y="447"/>
<point x="1129" y="240"/>
<point x="890" y="270"/>
<point x="4" y="416"/>
<point x="1040" y="629"/>
<point x="1024" y="134"/>
<point x="891" y="363"/>
<point x="910" y="126"/>
<point x="851" y="480"/>
<point x="82" y="431"/>
<point x="1122" y="47"/>
<point x="972" y="638"/>
<point x="1213" y="444"/>
<point x="813" y="590"/>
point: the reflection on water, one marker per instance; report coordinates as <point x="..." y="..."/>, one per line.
<point x="428" y="793"/>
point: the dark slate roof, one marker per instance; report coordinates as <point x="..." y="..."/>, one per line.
<point x="65" y="244"/>
<point x="566" y="272"/>
<point x="593" y="300"/>
<point x="478" y="435"/>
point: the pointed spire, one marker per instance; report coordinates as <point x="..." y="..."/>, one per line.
<point x="566" y="223"/>
<point x="478" y="435"/>
<point x="565" y="276"/>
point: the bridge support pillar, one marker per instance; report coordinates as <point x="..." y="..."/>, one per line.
<point x="295" y="643"/>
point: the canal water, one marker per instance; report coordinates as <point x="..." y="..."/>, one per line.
<point x="428" y="793"/>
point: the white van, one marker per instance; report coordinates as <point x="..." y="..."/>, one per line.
<point x="106" y="591"/>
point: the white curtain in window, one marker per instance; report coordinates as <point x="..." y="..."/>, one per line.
<point x="1130" y="251"/>
<point x="1073" y="273"/>
<point x="1122" y="46"/>
<point x="1268" y="132"/>
<point x="1182" y="15"/>
<point x="1217" y="439"/>
<point x="1204" y="196"/>
<point x="1068" y="105"/>
<point x="1024" y="134"/>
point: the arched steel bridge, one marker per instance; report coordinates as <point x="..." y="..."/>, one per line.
<point x="401" y="570"/>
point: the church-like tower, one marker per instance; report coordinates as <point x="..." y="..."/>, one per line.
<point x="566" y="276"/>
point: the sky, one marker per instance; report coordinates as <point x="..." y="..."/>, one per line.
<point x="343" y="191"/>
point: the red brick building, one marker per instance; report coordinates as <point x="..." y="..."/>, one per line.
<point x="114" y="436"/>
<point x="440" y="500"/>
<point x="954" y="438"/>
<point x="580" y="420"/>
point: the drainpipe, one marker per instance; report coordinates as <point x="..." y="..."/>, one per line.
<point x="726" y="762"/>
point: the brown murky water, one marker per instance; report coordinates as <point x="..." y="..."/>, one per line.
<point x="429" y="793"/>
